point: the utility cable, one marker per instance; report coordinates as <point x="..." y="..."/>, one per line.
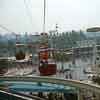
<point x="28" y="12"/>
<point x="5" y="28"/>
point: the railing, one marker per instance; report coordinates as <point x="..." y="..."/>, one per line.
<point x="4" y="93"/>
<point x="72" y="83"/>
<point x="12" y="96"/>
<point x="34" y="97"/>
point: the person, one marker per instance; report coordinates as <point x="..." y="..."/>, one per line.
<point x="30" y="93"/>
<point x="66" y="76"/>
<point x="40" y="94"/>
<point x="61" y="97"/>
<point x="84" y="71"/>
<point x="70" y="75"/>
<point x="50" y="96"/>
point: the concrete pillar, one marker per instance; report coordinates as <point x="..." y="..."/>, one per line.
<point x="79" y="94"/>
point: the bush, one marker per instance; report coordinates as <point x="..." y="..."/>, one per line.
<point x="20" y="55"/>
<point x="96" y="79"/>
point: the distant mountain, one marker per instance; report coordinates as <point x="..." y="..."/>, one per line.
<point x="10" y="36"/>
<point x="6" y="37"/>
<point x="23" y="38"/>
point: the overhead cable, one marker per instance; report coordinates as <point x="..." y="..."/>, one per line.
<point x="28" y="12"/>
<point x="5" y="28"/>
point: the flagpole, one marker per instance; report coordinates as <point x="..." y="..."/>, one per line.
<point x="44" y="16"/>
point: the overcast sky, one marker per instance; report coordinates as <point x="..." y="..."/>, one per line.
<point x="69" y="14"/>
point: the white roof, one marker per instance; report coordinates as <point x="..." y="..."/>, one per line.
<point x="24" y="60"/>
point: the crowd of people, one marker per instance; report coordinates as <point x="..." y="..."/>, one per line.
<point x="51" y="96"/>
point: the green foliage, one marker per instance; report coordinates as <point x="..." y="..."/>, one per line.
<point x="20" y="55"/>
<point x="3" y="63"/>
<point x="96" y="79"/>
<point x="7" y="48"/>
<point x="61" y="57"/>
<point x="57" y="40"/>
<point x="66" y="39"/>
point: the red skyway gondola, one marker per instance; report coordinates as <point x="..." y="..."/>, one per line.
<point x="47" y="65"/>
